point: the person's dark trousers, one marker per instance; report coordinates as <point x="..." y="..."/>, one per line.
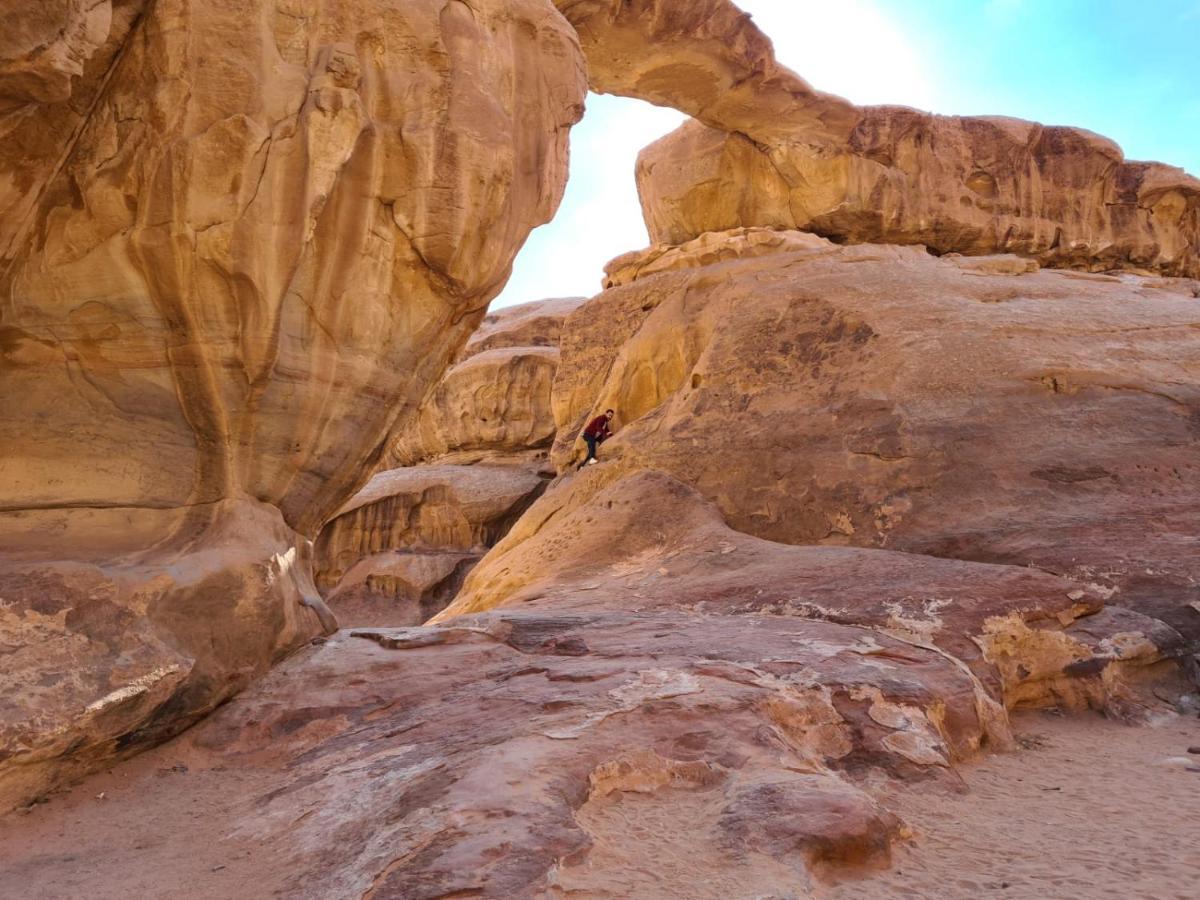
<point x="591" y="442"/>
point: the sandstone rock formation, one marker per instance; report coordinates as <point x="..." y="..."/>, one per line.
<point x="494" y="402"/>
<point x="398" y="551"/>
<point x="1063" y="196"/>
<point x="656" y="547"/>
<point x="879" y="397"/>
<point x="472" y="461"/>
<point x="668" y="708"/>
<point x="46" y="45"/>
<point x="231" y="260"/>
<point x="708" y="59"/>
<point x="768" y="150"/>
<point x="973" y="471"/>
<point x="708" y="249"/>
<point x="862" y="503"/>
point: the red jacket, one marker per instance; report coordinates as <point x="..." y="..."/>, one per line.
<point x="598" y="429"/>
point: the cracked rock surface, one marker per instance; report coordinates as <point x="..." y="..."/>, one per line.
<point x="862" y="504"/>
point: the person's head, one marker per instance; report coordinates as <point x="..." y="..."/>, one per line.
<point x="608" y="414"/>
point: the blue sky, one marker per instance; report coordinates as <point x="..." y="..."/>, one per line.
<point x="1130" y="71"/>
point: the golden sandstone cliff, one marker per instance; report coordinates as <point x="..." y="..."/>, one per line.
<point x="239" y="243"/>
<point x="863" y="502"/>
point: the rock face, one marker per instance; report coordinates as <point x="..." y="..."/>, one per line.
<point x="471" y="462"/>
<point x="231" y="261"/>
<point x="825" y="456"/>
<point x="878" y="397"/>
<point x="46" y="45"/>
<point x="708" y="59"/>
<point x="1063" y="196"/>
<point x="494" y="402"/>
<point x="862" y="502"/>
<point x="708" y="249"/>
<point x="668" y="708"/>
<point x="102" y="659"/>
<point x="766" y="149"/>
<point x="398" y="551"/>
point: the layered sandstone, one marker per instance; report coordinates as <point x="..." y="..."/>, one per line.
<point x="878" y="397"/>
<point x="1062" y="196"/>
<point x="398" y="551"/>
<point x="708" y="59"/>
<point x="668" y="707"/>
<point x="861" y="503"/>
<point x="454" y="480"/>
<point x="766" y="149"/>
<point x="922" y="454"/>
<point x="240" y="246"/>
<point x="537" y="323"/>
<point x="706" y="250"/>
<point x="494" y="402"/>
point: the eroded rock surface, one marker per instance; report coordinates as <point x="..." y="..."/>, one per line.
<point x="455" y="478"/>
<point x="765" y="149"/>
<point x="493" y="405"/>
<point x="399" y="550"/>
<point x="1063" y="196"/>
<point x="878" y="397"/>
<point x="708" y="59"/>
<point x="239" y="246"/>
<point x="665" y="707"/>
<point x="861" y="504"/>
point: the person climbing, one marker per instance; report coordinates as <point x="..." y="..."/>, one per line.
<point x="596" y="433"/>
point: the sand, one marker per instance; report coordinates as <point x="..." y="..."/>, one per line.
<point x="1085" y="809"/>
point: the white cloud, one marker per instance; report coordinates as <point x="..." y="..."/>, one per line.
<point x="851" y="48"/>
<point x="600" y="216"/>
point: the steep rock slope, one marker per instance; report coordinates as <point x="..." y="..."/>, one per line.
<point x="235" y="256"/>
<point x="878" y="397"/>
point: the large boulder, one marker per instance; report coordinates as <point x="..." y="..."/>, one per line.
<point x="103" y="657"/>
<point x="240" y="246"/>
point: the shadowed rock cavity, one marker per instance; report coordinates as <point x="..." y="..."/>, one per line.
<point x="454" y="481"/>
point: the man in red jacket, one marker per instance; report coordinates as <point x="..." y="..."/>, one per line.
<point x="596" y="433"/>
